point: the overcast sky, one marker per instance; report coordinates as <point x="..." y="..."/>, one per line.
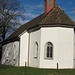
<point x="34" y="8"/>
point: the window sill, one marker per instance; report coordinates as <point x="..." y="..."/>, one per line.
<point x="48" y="58"/>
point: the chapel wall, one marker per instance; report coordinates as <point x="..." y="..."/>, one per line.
<point x="74" y="49"/>
<point x="10" y="54"/>
<point x="63" y="46"/>
<point x="24" y="44"/>
<point x="34" y="38"/>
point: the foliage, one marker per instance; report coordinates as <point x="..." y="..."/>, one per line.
<point x="10" y="13"/>
<point x="10" y="70"/>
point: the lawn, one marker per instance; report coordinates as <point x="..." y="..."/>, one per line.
<point x="10" y="70"/>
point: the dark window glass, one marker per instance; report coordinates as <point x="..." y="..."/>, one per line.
<point x="49" y="49"/>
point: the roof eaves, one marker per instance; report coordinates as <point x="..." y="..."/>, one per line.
<point x="10" y="40"/>
<point x="57" y="25"/>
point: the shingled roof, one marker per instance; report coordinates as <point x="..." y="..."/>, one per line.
<point x="54" y="18"/>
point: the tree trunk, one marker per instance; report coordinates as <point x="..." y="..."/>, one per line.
<point x="3" y="34"/>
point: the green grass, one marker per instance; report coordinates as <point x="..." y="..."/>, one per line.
<point x="10" y="70"/>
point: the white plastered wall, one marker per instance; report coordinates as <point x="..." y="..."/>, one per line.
<point x="63" y="46"/>
<point x="66" y="47"/>
<point x="34" y="37"/>
<point x="10" y="53"/>
<point x="74" y="50"/>
<point x="24" y="48"/>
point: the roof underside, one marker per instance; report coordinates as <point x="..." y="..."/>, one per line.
<point x="55" y="17"/>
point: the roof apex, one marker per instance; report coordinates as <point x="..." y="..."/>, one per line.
<point x="56" y="17"/>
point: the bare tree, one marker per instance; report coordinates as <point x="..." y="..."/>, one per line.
<point x="10" y="13"/>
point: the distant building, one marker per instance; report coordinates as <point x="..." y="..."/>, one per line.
<point x="44" y="42"/>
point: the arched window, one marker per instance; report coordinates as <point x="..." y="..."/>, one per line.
<point x="36" y="50"/>
<point x="49" y="50"/>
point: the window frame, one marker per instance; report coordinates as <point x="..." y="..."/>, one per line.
<point x="45" y="51"/>
<point x="36" y="50"/>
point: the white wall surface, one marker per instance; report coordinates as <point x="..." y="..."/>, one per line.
<point x="34" y="37"/>
<point x="63" y="46"/>
<point x="10" y="53"/>
<point x="74" y="51"/>
<point x="24" y="48"/>
<point x="66" y="47"/>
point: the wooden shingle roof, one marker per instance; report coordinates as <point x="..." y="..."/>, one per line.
<point x="54" y="18"/>
<point x="57" y="16"/>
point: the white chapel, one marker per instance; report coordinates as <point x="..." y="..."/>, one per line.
<point x="44" y="42"/>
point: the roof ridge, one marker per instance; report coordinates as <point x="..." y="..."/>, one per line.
<point x="51" y="15"/>
<point x="59" y="13"/>
<point x="46" y="19"/>
<point x="42" y="19"/>
<point x="65" y="14"/>
<point x="46" y="14"/>
<point x="26" y="25"/>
